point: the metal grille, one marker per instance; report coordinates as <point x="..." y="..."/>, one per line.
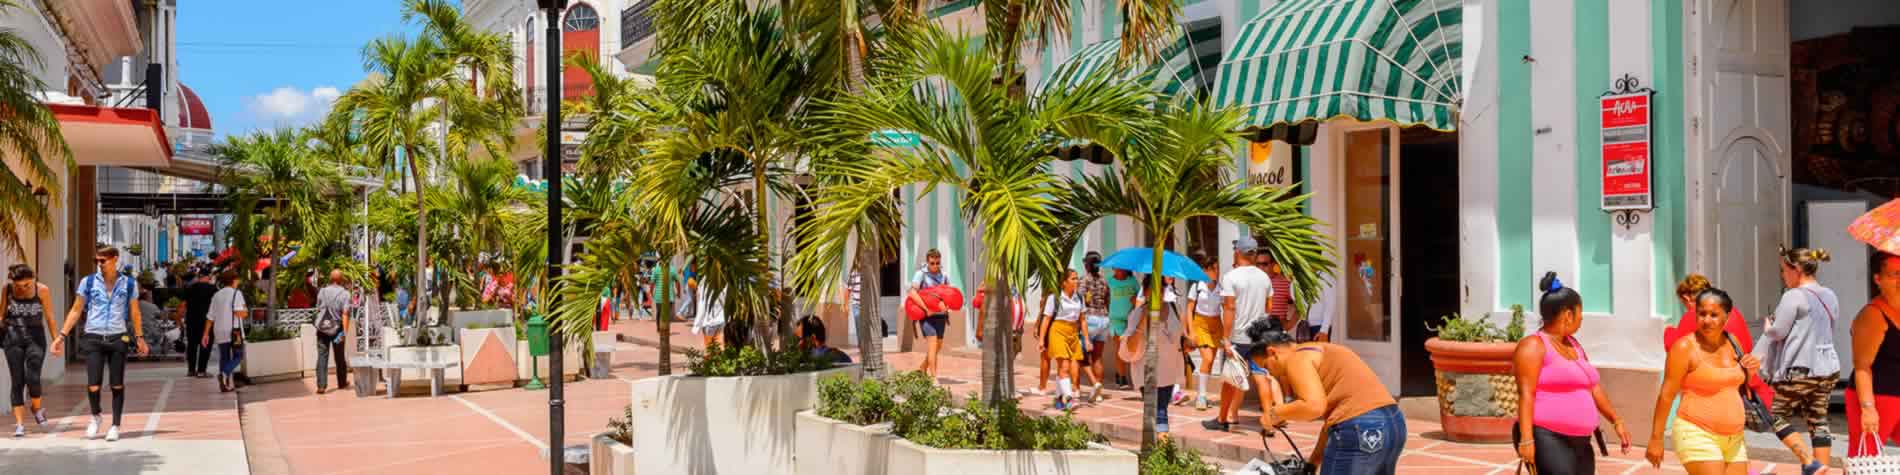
<point x="635" y="23"/>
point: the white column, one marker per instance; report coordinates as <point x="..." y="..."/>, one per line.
<point x="1478" y="163"/>
<point x="1554" y="210"/>
<point x="1630" y="248"/>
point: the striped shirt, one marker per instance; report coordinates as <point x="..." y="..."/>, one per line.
<point x="1282" y="296"/>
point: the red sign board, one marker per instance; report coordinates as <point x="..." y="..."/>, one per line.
<point x="194" y="226"/>
<point x="1626" y="160"/>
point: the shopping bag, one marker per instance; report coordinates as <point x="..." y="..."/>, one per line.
<point x="1882" y="462"/>
<point x="1233" y="370"/>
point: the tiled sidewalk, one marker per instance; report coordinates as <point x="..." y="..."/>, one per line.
<point x="172" y="424"/>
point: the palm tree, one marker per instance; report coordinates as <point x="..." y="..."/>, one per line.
<point x="30" y="134"/>
<point x="1180" y="173"/>
<point x="278" y="166"/>
<point x="973" y="137"/>
<point x="477" y="191"/>
<point x="1147" y="26"/>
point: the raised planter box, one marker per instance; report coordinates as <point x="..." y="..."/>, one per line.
<point x="488" y="358"/>
<point x="1477" y="394"/>
<point x="607" y="456"/>
<point x="570" y="364"/>
<point x="481" y="318"/>
<point x="732" y="425"/>
<point x="279" y="360"/>
<point x="911" y="458"/>
<point x="830" y="446"/>
<point x="418" y="379"/>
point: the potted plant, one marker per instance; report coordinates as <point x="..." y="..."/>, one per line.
<point x="733" y="412"/>
<point x="1477" y="392"/>
<point x="271" y="353"/>
<point x="611" y="452"/>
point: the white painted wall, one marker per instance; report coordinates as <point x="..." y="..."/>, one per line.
<point x="1478" y="162"/>
<point x="1554" y="197"/>
<point x="1631" y="248"/>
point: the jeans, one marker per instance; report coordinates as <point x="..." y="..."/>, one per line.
<point x="25" y="355"/>
<point x="1365" y="445"/>
<point x="103" y="353"/>
<point x="1559" y="454"/>
<point x="228" y="358"/>
<point x="1163" y="395"/>
<point x="324" y="350"/>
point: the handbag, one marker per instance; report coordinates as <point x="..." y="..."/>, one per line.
<point x="1880" y="463"/>
<point x="1760" y="419"/>
<point x="237" y="325"/>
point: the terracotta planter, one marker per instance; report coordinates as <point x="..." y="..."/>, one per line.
<point x="1477" y="393"/>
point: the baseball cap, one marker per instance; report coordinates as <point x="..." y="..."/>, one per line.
<point x="1246" y="244"/>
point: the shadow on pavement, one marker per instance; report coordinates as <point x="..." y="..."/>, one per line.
<point x="77" y="460"/>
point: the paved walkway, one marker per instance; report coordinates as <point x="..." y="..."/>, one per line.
<point x="172" y="425"/>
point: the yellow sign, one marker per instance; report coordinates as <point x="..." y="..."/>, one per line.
<point x="1269" y="163"/>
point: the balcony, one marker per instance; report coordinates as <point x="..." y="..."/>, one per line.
<point x="636" y="23"/>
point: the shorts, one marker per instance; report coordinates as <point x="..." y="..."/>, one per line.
<point x="1098" y="328"/>
<point x="1695" y="444"/>
<point x="1118" y="326"/>
<point x="1206" y="332"/>
<point x="1254" y="368"/>
<point x="1804" y="398"/>
<point x="1065" y="343"/>
<point x="934" y="325"/>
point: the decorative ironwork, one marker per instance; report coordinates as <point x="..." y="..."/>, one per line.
<point x="636" y="23"/>
<point x="1628" y="217"/>
<point x="1628" y="84"/>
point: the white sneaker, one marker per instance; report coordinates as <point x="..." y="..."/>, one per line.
<point x="39" y="416"/>
<point x="112" y="435"/>
<point x="19" y="430"/>
<point x="92" y="427"/>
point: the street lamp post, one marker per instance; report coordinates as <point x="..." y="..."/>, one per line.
<point x="551" y="170"/>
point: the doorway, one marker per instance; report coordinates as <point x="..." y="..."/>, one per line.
<point x="1429" y="264"/>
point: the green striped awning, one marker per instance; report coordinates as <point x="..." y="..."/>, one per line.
<point x="1187" y="64"/>
<point x="1370" y="60"/>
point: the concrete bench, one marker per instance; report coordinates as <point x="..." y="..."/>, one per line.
<point x="392" y="374"/>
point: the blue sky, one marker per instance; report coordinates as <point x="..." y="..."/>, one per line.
<point x="260" y="65"/>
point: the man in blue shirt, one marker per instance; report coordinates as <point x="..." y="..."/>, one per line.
<point x="936" y="318"/>
<point x="105" y="302"/>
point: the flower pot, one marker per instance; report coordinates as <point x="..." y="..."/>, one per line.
<point x="908" y="457"/>
<point x="1477" y="392"/>
<point x="607" y="456"/>
<point x="277" y="360"/>
<point x="731" y="425"/>
<point x="830" y="446"/>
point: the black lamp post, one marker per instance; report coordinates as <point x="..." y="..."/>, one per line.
<point x="551" y="170"/>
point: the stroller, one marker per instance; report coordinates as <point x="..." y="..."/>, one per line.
<point x="163" y="336"/>
<point x="1275" y="465"/>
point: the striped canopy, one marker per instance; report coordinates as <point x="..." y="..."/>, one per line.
<point x="1370" y="60"/>
<point x="1185" y="65"/>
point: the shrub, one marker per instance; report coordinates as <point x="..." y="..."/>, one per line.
<point x="263" y="333"/>
<point x="620" y="429"/>
<point x="1476" y="330"/>
<point x="1000" y="426"/>
<point x="722" y="360"/>
<point x="858" y="402"/>
<point x="1169" y="458"/>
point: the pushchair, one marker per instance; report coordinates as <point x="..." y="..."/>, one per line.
<point x="163" y="337"/>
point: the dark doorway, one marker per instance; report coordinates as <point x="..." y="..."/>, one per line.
<point x="1428" y="248"/>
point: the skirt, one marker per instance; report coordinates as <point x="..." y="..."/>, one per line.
<point x="1064" y="341"/>
<point x="1207" y="332"/>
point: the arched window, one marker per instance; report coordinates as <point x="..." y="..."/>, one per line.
<point x="581" y="18"/>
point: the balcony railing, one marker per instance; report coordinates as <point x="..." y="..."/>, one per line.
<point x="636" y="23"/>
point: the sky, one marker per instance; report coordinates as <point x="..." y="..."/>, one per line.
<point x="261" y="65"/>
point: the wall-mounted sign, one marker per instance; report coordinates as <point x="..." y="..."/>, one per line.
<point x="1269" y="163"/>
<point x="1626" y="158"/>
<point x="194" y="226"/>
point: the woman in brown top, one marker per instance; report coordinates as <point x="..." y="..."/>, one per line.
<point x="1364" y="431"/>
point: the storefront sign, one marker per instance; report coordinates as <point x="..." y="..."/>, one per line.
<point x="1626" y="159"/>
<point x="1269" y="163"/>
<point x="194" y="226"/>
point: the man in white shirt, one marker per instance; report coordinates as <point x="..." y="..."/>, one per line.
<point x="1245" y="295"/>
<point x="227" y="311"/>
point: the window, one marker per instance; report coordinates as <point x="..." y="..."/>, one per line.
<point x="581" y="18"/>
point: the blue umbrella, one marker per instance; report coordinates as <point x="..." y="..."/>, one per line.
<point x="1140" y="260"/>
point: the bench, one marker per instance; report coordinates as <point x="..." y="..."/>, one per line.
<point x="365" y="369"/>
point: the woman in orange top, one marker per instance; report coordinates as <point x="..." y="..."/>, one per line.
<point x="1707" y="373"/>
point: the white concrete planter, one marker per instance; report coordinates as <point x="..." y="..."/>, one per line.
<point x="279" y="360"/>
<point x="830" y="446"/>
<point x="909" y="458"/>
<point x="481" y="318"/>
<point x="570" y="364"/>
<point x="735" y="425"/>
<point x="488" y="358"/>
<point x="609" y="457"/>
<point x="419" y="378"/>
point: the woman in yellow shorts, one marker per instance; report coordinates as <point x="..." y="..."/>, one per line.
<point x="1063" y="337"/>
<point x="1206" y="332"/>
<point x="1706" y="372"/>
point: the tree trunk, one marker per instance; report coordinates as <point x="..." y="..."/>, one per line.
<point x="870" y="328"/>
<point x="762" y="330"/>
<point x="997" y="375"/>
<point x="663" y="307"/>
<point x="422" y="250"/>
<point x="1150" y="359"/>
<point x="276" y="271"/>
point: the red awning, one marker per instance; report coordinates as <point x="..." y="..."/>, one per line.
<point x="106" y="136"/>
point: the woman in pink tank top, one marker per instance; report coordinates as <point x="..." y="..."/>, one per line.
<point x="1558" y="395"/>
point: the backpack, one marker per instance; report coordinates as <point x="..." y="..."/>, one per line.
<point x="329" y="319"/>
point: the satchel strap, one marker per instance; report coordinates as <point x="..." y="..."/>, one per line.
<point x="1824" y="306"/>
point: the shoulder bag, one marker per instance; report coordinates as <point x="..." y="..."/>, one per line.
<point x="1760" y="419"/>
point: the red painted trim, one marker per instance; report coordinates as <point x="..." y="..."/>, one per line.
<point x="115" y="116"/>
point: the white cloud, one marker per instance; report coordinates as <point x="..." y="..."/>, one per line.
<point x="292" y="106"/>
